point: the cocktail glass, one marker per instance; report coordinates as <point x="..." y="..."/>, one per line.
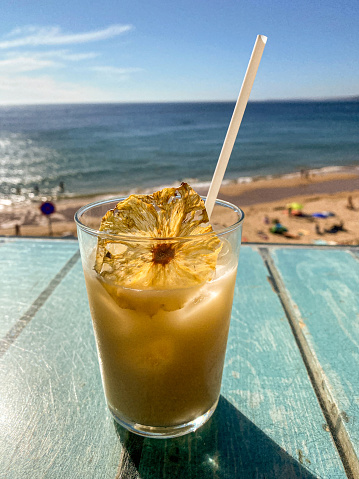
<point x="161" y="351"/>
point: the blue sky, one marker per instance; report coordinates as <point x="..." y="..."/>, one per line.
<point x="188" y="50"/>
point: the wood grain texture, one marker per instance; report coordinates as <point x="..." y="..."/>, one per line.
<point x="28" y="266"/>
<point x="323" y="286"/>
<point x="55" y="422"/>
<point x="268" y="423"/>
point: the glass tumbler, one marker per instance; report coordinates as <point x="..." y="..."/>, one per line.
<point x="161" y="351"/>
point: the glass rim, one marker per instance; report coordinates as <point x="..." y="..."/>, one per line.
<point x="103" y="234"/>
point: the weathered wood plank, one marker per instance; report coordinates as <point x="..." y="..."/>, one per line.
<point x="268" y="423"/>
<point x="55" y="422"/>
<point x="323" y="287"/>
<point x="27" y="267"/>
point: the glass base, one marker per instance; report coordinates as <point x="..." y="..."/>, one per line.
<point x="161" y="432"/>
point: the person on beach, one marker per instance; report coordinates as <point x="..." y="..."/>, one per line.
<point x="350" y="204"/>
<point x="279" y="229"/>
<point x="317" y="229"/>
<point x="335" y="228"/>
<point x="304" y="174"/>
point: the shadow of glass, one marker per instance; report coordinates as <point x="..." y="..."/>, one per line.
<point x="229" y="446"/>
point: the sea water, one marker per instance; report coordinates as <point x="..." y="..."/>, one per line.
<point x="79" y="150"/>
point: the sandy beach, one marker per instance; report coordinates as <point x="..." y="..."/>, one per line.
<point x="264" y="201"/>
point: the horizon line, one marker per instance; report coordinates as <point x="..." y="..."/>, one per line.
<point x="144" y="102"/>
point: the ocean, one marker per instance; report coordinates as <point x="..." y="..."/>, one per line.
<point x="80" y="150"/>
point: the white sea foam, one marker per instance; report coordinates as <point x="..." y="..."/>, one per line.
<point x="121" y="149"/>
<point x="204" y="185"/>
<point x="296" y="174"/>
<point x="244" y="180"/>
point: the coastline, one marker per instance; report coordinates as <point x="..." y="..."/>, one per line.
<point x="262" y="199"/>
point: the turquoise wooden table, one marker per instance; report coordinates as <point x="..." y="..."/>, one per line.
<point x="289" y="406"/>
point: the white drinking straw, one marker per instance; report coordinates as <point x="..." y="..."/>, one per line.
<point x="235" y="122"/>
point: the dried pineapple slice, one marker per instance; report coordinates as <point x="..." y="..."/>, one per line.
<point x="155" y="263"/>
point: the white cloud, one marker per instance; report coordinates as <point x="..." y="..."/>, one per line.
<point x="116" y="70"/>
<point x="20" y="84"/>
<point x="36" y="36"/>
<point x="22" y="30"/>
<point x="44" y="89"/>
<point x="62" y="54"/>
<point x="16" y="62"/>
<point x="116" y="74"/>
<point x="23" y="64"/>
<point x="73" y="57"/>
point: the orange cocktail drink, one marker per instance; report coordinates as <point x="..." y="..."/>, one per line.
<point x="160" y="305"/>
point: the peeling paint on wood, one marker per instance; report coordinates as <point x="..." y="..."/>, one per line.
<point x="324" y="286"/>
<point x="55" y="423"/>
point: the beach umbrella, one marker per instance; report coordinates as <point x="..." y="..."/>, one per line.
<point x="295" y="206"/>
